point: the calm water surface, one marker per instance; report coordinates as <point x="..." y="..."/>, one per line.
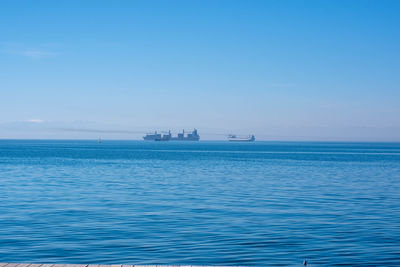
<point x="210" y="203"/>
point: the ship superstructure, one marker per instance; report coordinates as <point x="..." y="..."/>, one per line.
<point x="193" y="136"/>
<point x="152" y="136"/>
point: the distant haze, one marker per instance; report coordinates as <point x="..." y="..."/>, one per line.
<point x="282" y="70"/>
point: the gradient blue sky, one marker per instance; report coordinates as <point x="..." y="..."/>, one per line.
<point x="283" y="70"/>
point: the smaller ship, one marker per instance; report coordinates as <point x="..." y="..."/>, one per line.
<point x="235" y="138"/>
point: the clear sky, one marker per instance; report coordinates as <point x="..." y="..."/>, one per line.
<point x="283" y="70"/>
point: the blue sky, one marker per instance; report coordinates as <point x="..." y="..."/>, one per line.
<point x="283" y="70"/>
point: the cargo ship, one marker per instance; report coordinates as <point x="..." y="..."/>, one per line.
<point x="235" y="138"/>
<point x="193" y="136"/>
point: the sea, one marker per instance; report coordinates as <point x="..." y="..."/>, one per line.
<point x="200" y="203"/>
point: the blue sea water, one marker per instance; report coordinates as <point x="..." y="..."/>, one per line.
<point x="203" y="203"/>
